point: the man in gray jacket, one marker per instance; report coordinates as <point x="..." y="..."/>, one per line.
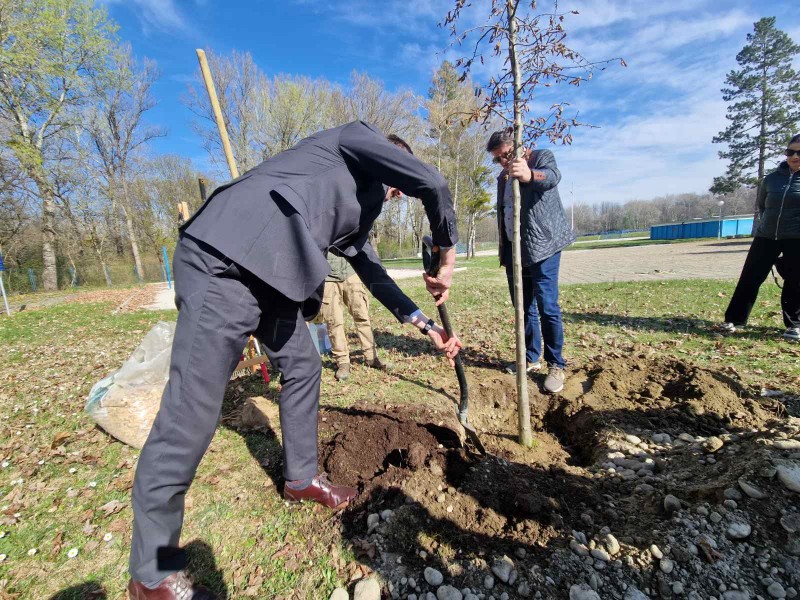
<point x="544" y="233"/>
<point x="252" y="261"/>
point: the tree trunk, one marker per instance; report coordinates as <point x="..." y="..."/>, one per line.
<point x="524" y="411"/>
<point x="97" y="245"/>
<point x="455" y="186"/>
<point x="473" y="235"/>
<point x="49" y="271"/>
<point x="762" y="145"/>
<point x="137" y="261"/>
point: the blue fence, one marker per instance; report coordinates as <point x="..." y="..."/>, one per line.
<point x="705" y="228"/>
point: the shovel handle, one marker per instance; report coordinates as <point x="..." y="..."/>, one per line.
<point x="430" y="261"/>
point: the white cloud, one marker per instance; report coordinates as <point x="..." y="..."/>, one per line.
<point x="643" y="156"/>
<point x="159" y="15"/>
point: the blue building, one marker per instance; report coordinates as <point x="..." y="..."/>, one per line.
<point x="734" y="226"/>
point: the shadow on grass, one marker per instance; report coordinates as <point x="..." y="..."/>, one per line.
<point x="90" y="590"/>
<point x="695" y="326"/>
<point x="202" y="570"/>
<point x="745" y="242"/>
<point x="736" y="251"/>
<point x="419" y="346"/>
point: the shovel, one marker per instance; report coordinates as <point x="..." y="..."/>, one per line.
<point x="430" y="260"/>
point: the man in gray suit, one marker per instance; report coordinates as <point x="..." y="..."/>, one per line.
<point x="252" y="260"/>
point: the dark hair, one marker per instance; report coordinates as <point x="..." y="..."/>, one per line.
<point x="795" y="139"/>
<point x="498" y="138"/>
<point x="398" y="141"/>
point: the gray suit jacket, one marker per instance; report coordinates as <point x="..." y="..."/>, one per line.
<point x="280" y="219"/>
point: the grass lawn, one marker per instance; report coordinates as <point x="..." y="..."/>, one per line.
<point x="65" y="485"/>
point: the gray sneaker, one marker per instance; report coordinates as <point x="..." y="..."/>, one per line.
<point x="554" y="382"/>
<point x="726" y="327"/>
<point x="792" y="334"/>
<point x="530" y="367"/>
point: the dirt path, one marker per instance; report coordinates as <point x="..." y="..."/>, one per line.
<point x="718" y="259"/>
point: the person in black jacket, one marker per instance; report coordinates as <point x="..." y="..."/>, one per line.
<point x="776" y="242"/>
<point x="252" y="260"/>
<point x="544" y="232"/>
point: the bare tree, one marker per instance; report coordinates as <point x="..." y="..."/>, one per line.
<point x="118" y="131"/>
<point x="49" y="50"/>
<point x="528" y="49"/>
<point x="368" y="100"/>
<point x="296" y="107"/>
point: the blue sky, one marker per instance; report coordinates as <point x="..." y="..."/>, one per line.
<point x="654" y="119"/>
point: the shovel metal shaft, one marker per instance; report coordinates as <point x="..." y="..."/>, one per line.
<point x="463" y="404"/>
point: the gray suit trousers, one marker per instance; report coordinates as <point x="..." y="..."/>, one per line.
<point x="219" y="306"/>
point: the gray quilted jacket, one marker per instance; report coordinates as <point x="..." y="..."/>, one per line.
<point x="544" y="226"/>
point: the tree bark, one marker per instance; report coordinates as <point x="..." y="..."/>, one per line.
<point x="49" y="271"/>
<point x="523" y="407"/>
<point x="137" y="261"/>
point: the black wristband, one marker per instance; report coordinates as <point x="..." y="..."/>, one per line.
<point x="428" y="326"/>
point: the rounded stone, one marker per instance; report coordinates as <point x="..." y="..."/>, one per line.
<point x="601" y="554"/>
<point x="738" y="531"/>
<point x="433" y="577"/>
<point x="775" y="590"/>
<point x="373" y="521"/>
<point x="502" y="568"/>
<point x="751" y="490"/>
<point x="666" y="565"/>
<point x="367" y="589"/>
<point x="671" y="504"/>
<point x="448" y="592"/>
<point x="791" y="522"/>
<point x="633" y="593"/>
<point x="582" y="592"/>
<point x="612" y="544"/>
<point x="732" y="494"/>
<point x="340" y="594"/>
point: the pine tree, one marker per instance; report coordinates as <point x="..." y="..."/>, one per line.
<point x="763" y="107"/>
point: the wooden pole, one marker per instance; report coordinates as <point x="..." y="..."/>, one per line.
<point x="212" y="96"/>
<point x="226" y="147"/>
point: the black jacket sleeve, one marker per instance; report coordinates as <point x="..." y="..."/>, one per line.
<point x="367" y="149"/>
<point x="369" y="269"/>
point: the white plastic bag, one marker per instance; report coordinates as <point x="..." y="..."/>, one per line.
<point x="125" y="403"/>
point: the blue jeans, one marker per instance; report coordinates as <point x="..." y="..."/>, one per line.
<point x="540" y="282"/>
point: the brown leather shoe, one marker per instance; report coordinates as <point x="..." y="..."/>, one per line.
<point x="177" y="586"/>
<point x="323" y="491"/>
